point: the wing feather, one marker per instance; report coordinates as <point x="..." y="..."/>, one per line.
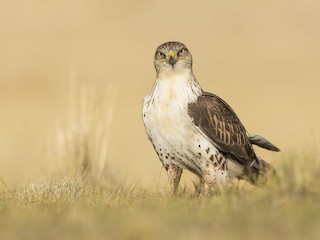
<point x="216" y="120"/>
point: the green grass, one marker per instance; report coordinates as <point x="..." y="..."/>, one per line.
<point x="76" y="208"/>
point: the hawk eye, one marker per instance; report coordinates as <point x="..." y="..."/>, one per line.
<point x="181" y="51"/>
<point x="160" y="55"/>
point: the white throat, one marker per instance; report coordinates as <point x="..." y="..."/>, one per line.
<point x="176" y="89"/>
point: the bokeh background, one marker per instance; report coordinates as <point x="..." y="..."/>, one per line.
<point x="262" y="57"/>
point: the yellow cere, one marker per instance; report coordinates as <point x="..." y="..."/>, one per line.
<point x="171" y="54"/>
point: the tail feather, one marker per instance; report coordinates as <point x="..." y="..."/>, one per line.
<point x="262" y="142"/>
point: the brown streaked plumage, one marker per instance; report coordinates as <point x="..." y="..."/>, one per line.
<point x="211" y="115"/>
<point x="209" y="107"/>
<point x="195" y="130"/>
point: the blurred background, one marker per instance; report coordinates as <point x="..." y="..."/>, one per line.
<point x="73" y="75"/>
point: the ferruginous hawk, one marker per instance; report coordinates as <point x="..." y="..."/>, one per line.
<point x="196" y="130"/>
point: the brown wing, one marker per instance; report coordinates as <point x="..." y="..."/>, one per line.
<point x="215" y="118"/>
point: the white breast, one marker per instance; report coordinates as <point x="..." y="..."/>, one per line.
<point x="166" y="118"/>
<point x="165" y="108"/>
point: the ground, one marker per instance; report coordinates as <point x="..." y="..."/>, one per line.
<point x="63" y="207"/>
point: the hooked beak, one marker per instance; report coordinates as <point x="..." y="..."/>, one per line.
<point x="172" y="61"/>
<point x="171" y="58"/>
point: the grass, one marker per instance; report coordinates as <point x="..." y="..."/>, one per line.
<point x="63" y="207"/>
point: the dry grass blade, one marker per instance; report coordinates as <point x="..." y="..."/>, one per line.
<point x="82" y="142"/>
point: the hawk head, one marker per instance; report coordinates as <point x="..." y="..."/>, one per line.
<point x="172" y="57"/>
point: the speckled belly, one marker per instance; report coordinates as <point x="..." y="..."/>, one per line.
<point x="179" y="142"/>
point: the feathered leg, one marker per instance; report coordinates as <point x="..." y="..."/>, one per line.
<point x="215" y="177"/>
<point x="174" y="174"/>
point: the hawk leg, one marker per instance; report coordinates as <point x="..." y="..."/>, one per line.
<point x="212" y="186"/>
<point x="215" y="177"/>
<point x="174" y="174"/>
